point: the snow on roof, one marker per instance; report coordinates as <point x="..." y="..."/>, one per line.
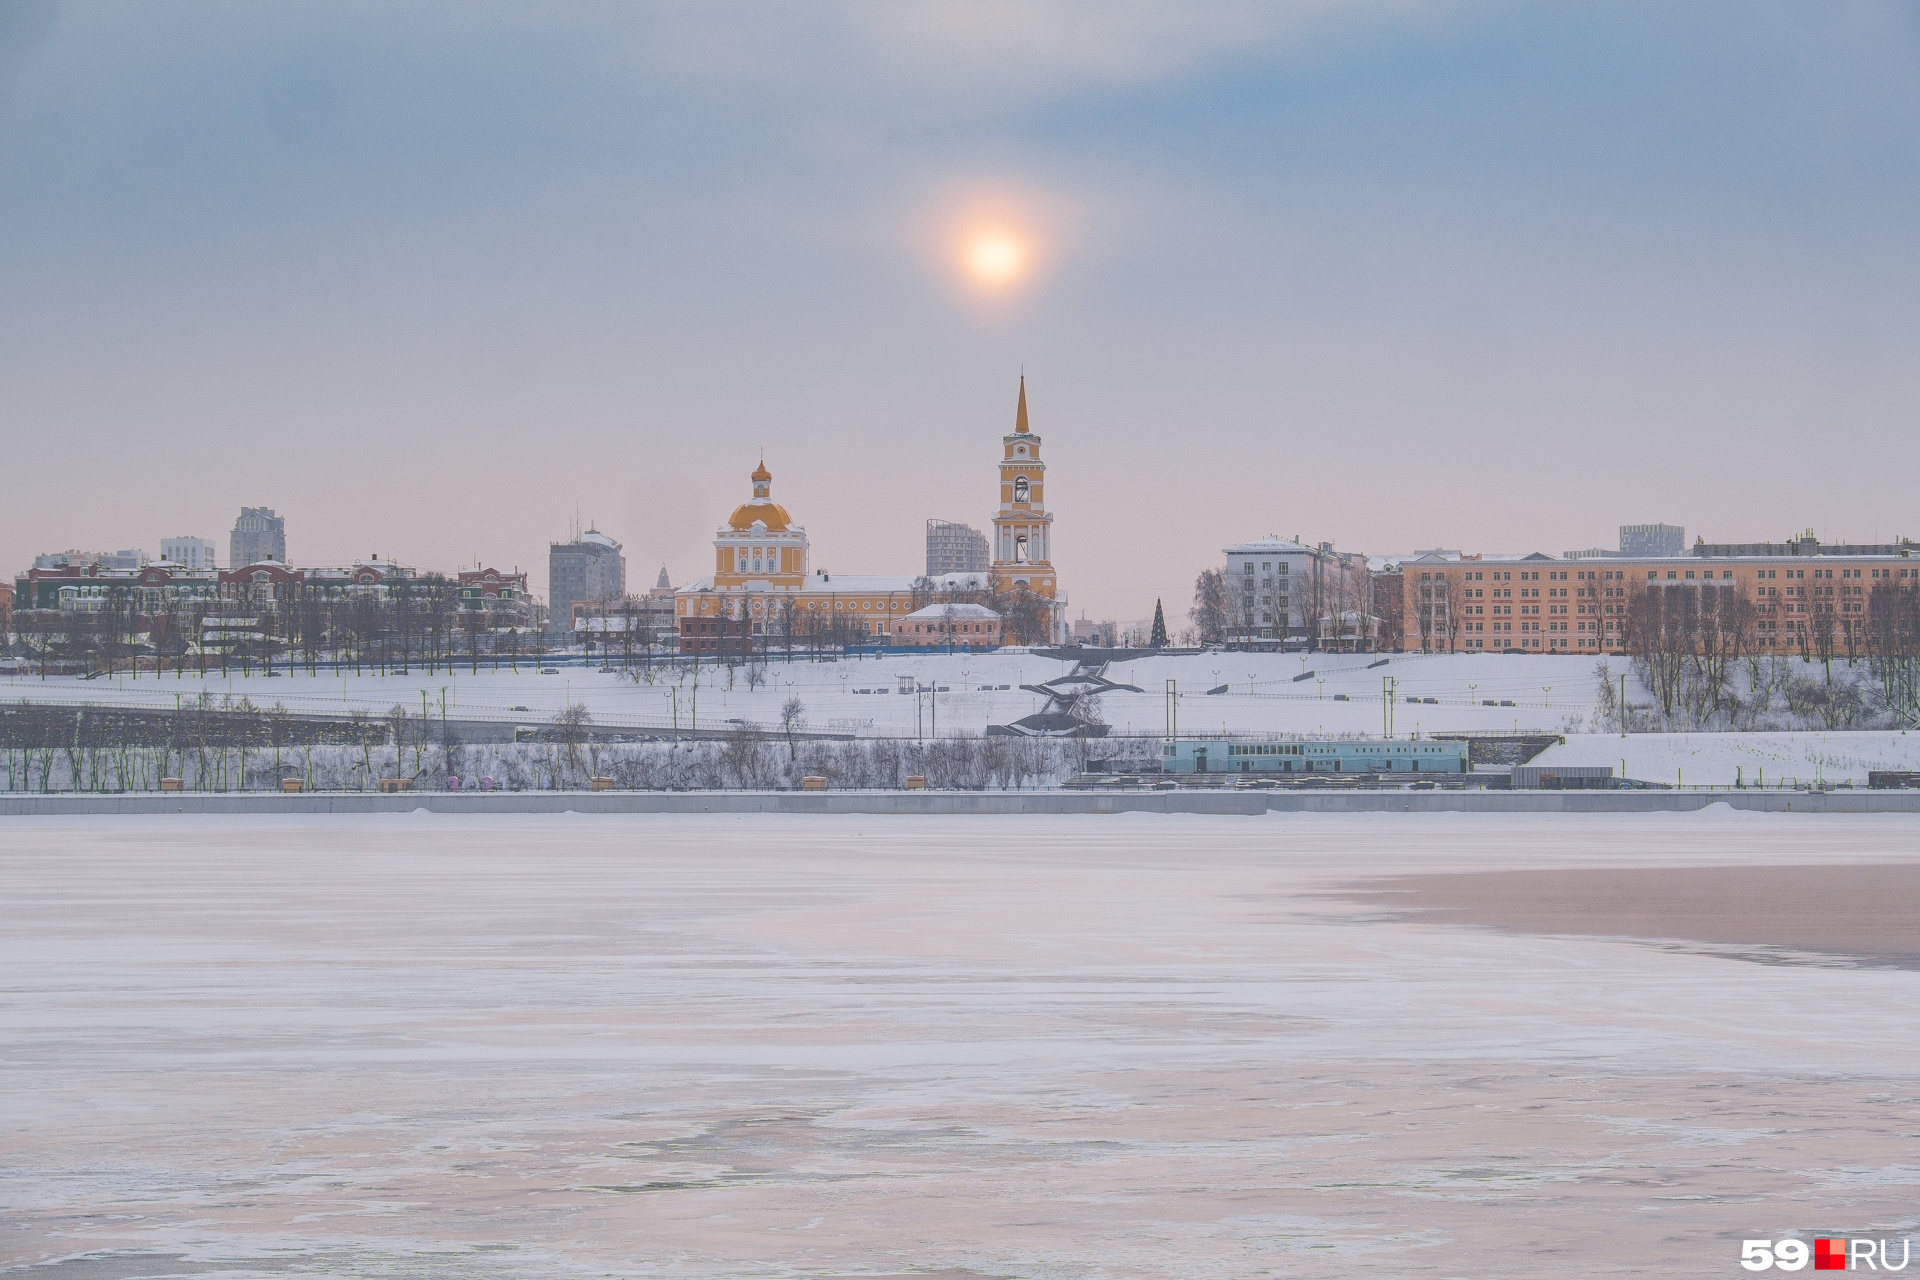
<point x="959" y="581"/>
<point x="1271" y="545"/>
<point x="954" y="613"/>
<point x="872" y="583"/>
<point x="828" y="584"/>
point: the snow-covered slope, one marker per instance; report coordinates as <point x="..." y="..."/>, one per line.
<point x="1344" y="694"/>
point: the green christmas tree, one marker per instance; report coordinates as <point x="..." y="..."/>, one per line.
<point x="1159" y="638"/>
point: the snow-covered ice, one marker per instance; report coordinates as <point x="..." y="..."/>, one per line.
<point x="1087" y="1047"/>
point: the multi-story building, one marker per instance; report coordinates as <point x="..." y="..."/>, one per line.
<point x="1651" y="541"/>
<point x="588" y="568"/>
<point x="193" y="554"/>
<point x="127" y="560"/>
<point x="1794" y="597"/>
<point x="258" y="536"/>
<point x="764" y="590"/>
<point x="1262" y="603"/>
<point x="500" y="595"/>
<point x="1281" y="592"/>
<point x="955" y="548"/>
<point x="76" y="588"/>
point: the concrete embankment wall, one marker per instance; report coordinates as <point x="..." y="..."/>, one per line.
<point x="967" y="802"/>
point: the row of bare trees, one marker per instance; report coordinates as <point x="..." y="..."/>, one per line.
<point x="1689" y="641"/>
<point x="742" y="760"/>
<point x="411" y="624"/>
<point x="217" y="741"/>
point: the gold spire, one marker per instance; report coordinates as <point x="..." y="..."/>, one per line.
<point x="1020" y="416"/>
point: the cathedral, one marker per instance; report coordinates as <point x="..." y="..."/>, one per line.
<point x="764" y="591"/>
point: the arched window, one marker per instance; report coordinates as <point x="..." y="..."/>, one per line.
<point x="1020" y="549"/>
<point x="1020" y="489"/>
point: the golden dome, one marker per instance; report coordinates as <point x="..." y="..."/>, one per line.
<point x="765" y="509"/>
<point x="762" y="507"/>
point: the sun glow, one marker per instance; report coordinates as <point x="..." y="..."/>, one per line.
<point x="995" y="258"/>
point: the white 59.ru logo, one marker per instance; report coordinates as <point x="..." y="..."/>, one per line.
<point x="1828" y="1253"/>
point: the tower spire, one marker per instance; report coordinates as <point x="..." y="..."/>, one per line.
<point x="1020" y="414"/>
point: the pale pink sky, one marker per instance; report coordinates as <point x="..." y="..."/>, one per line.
<point x="1480" y="275"/>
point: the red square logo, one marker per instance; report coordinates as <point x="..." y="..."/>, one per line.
<point x="1829" y="1255"/>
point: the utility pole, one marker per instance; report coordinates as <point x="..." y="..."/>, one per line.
<point x="1623" y="707"/>
<point x="1173" y="709"/>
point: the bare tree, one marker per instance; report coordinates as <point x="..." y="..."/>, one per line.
<point x="793" y="714"/>
<point x="570" y="726"/>
<point x="1893" y="635"/>
<point x="1211" y="608"/>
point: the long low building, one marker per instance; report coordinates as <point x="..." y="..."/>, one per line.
<point x="1376" y="755"/>
<point x="1801" y="597"/>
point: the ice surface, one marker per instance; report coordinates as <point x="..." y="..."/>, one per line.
<point x="1750" y="759"/>
<point x="1068" y="1047"/>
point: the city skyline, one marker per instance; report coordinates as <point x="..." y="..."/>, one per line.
<point x="1388" y="277"/>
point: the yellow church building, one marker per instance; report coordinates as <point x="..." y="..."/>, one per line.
<point x="763" y="590"/>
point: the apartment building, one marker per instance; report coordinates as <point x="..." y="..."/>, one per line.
<point x="956" y="548"/>
<point x="258" y="536"/>
<point x="590" y="567"/>
<point x="1284" y="593"/>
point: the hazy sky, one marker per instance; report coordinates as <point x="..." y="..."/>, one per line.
<point x="427" y="278"/>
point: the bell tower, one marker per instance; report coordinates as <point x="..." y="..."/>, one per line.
<point x="1022" y="529"/>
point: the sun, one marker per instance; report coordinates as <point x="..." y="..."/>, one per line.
<point x="995" y="258"/>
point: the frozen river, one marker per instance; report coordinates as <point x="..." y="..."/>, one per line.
<point x="1070" y="1047"/>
